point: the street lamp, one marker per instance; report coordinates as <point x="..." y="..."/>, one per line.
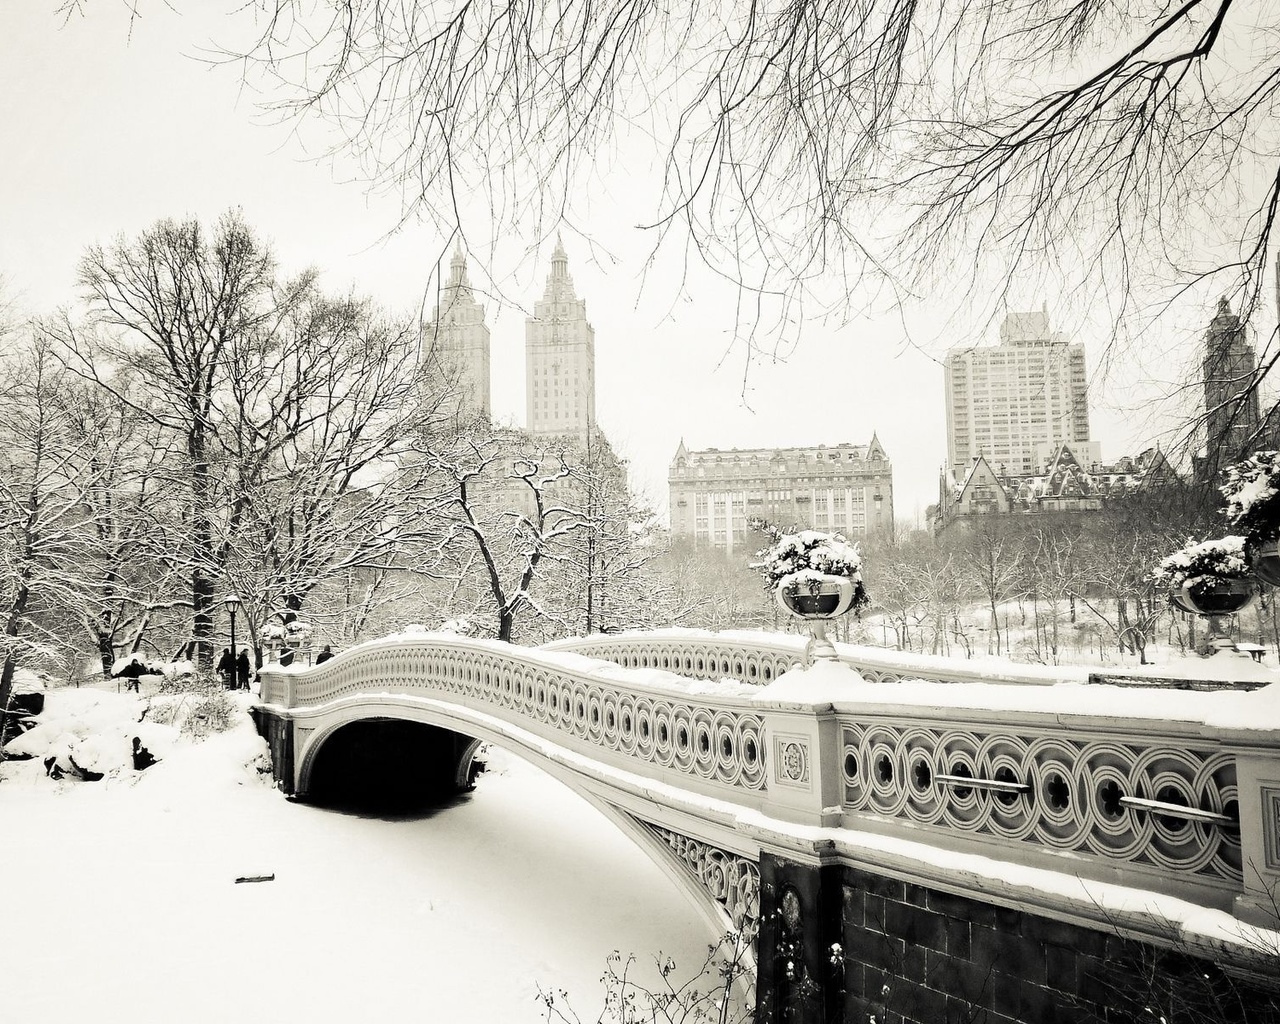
<point x="231" y="602"/>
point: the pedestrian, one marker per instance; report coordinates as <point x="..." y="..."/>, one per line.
<point x="227" y="668"/>
<point x="325" y="655"/>
<point x="242" y="669"/>
<point x="131" y="673"/>
<point x="142" y="757"/>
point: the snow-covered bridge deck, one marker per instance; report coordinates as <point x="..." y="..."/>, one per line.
<point x="1148" y="813"/>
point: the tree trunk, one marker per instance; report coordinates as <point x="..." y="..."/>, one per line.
<point x="202" y="587"/>
<point x="106" y="653"/>
<point x="11" y="658"/>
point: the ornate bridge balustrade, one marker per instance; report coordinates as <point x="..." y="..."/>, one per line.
<point x="761" y="657"/>
<point x="671" y="761"/>
<point x="836" y="813"/>
<point x="710" y="741"/>
<point x="1051" y="767"/>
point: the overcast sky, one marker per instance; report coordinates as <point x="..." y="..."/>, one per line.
<point x="110" y="126"/>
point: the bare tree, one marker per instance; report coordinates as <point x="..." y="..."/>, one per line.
<point x="283" y="412"/>
<point x="592" y="580"/>
<point x="169" y="308"/>
<point x="993" y="554"/>
<point x="918" y="586"/>
<point x="514" y="501"/>
<point x="1118" y="552"/>
<point x="1114" y="140"/>
<point x="321" y="413"/>
<point x="703" y="587"/>
<point x="57" y="529"/>
<point x="1055" y="568"/>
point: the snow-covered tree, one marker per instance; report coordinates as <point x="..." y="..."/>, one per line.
<point x="167" y="310"/>
<point x="324" y="413"/>
<point x="283" y="412"/>
<point x="513" y="518"/>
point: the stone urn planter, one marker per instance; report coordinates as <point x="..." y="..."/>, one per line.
<point x="815" y="577"/>
<point x="817" y="598"/>
<point x="1214" y="598"/>
<point x="1265" y="559"/>
<point x="1211" y="579"/>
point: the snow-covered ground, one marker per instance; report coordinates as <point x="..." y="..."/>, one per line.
<point x="121" y="902"/>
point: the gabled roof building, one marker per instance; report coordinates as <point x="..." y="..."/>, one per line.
<point x="1063" y="485"/>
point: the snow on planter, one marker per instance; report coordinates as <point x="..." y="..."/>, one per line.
<point x="800" y="560"/>
<point x="1208" y="562"/>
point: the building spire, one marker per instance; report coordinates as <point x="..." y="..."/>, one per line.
<point x="559" y="284"/>
<point x="458" y="280"/>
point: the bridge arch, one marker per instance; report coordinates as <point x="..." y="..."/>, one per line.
<point x="392" y="762"/>
<point x="721" y="885"/>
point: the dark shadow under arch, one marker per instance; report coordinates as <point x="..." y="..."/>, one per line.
<point x="391" y="765"/>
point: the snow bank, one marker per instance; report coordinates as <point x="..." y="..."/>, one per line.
<point x="129" y="908"/>
<point x="93" y="730"/>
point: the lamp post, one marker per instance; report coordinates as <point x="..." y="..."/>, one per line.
<point x="231" y="602"/>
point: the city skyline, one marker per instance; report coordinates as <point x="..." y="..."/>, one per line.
<point x="97" y="94"/>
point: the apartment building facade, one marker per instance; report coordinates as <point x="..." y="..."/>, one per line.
<point x="1231" y="401"/>
<point x="458" y="338"/>
<point x="842" y="488"/>
<point x="1005" y="401"/>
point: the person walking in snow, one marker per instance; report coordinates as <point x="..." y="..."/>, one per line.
<point x="325" y="655"/>
<point x="131" y="673"/>
<point x="242" y="669"/>
<point x="227" y="668"/>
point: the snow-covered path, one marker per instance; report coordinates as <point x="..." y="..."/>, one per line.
<point x="121" y="904"/>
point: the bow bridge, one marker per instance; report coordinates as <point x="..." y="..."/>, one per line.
<point x="896" y="834"/>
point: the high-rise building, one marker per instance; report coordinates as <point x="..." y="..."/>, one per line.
<point x="459" y="337"/>
<point x="1004" y="400"/>
<point x="560" y="347"/>
<point x="1230" y="390"/>
<point x="844" y="489"/>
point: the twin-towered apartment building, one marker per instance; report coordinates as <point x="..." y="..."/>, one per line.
<point x="560" y="352"/>
<point x="845" y="488"/>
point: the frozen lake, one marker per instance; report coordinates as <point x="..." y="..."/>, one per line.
<point x="121" y="900"/>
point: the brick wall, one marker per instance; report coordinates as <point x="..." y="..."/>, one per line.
<point x="916" y="955"/>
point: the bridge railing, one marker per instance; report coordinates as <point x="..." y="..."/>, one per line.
<point x="1070" y="769"/>
<point x="754" y="657"/>
<point x="1164" y="791"/>
<point x="707" y="738"/>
